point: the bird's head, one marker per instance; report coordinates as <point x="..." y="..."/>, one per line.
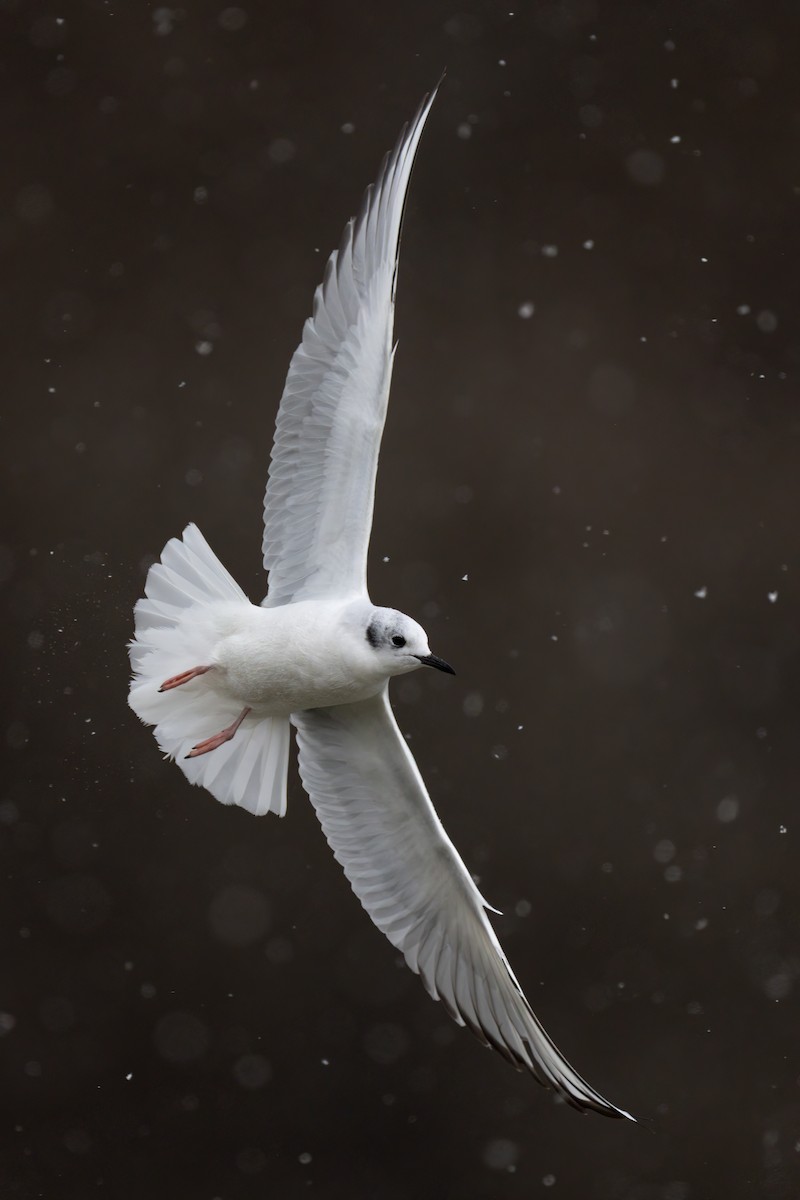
<point x="401" y="643"/>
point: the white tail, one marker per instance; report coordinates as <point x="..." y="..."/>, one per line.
<point x="176" y="629"/>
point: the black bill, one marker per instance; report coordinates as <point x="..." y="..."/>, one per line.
<point x="433" y="660"/>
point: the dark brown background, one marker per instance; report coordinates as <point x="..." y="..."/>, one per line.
<point x="617" y="758"/>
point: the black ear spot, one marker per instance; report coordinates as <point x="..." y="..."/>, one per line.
<point x="397" y="640"/>
<point x="373" y="637"/>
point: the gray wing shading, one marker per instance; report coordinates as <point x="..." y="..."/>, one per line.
<point x="382" y="827"/>
<point x="319" y="499"/>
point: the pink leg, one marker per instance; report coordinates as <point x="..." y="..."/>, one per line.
<point x="218" y="739"/>
<point x="177" y="680"/>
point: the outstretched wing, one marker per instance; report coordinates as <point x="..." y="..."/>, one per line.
<point x="318" y="506"/>
<point x="383" y="829"/>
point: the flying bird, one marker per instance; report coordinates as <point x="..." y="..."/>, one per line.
<point x="223" y="680"/>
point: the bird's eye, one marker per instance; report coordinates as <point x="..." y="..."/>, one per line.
<point x="398" y="641"/>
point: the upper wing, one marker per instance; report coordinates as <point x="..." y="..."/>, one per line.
<point x="382" y="828"/>
<point x="318" y="506"/>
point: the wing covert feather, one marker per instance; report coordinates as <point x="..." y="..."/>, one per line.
<point x="382" y="827"/>
<point x="319" y="500"/>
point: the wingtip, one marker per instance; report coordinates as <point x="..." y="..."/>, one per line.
<point x="425" y="104"/>
<point x="599" y="1107"/>
<point x="607" y="1109"/>
<point x="621" y="1114"/>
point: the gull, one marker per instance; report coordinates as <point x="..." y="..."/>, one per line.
<point x="222" y="680"/>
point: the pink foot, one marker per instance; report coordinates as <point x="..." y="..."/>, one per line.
<point x="177" y="680"/>
<point x="219" y="739"/>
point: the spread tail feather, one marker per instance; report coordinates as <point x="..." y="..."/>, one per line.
<point x="250" y="770"/>
<point x="175" y="630"/>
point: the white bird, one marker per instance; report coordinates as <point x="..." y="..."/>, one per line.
<point x="221" y="679"/>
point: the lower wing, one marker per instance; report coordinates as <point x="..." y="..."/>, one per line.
<point x="383" y="829"/>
